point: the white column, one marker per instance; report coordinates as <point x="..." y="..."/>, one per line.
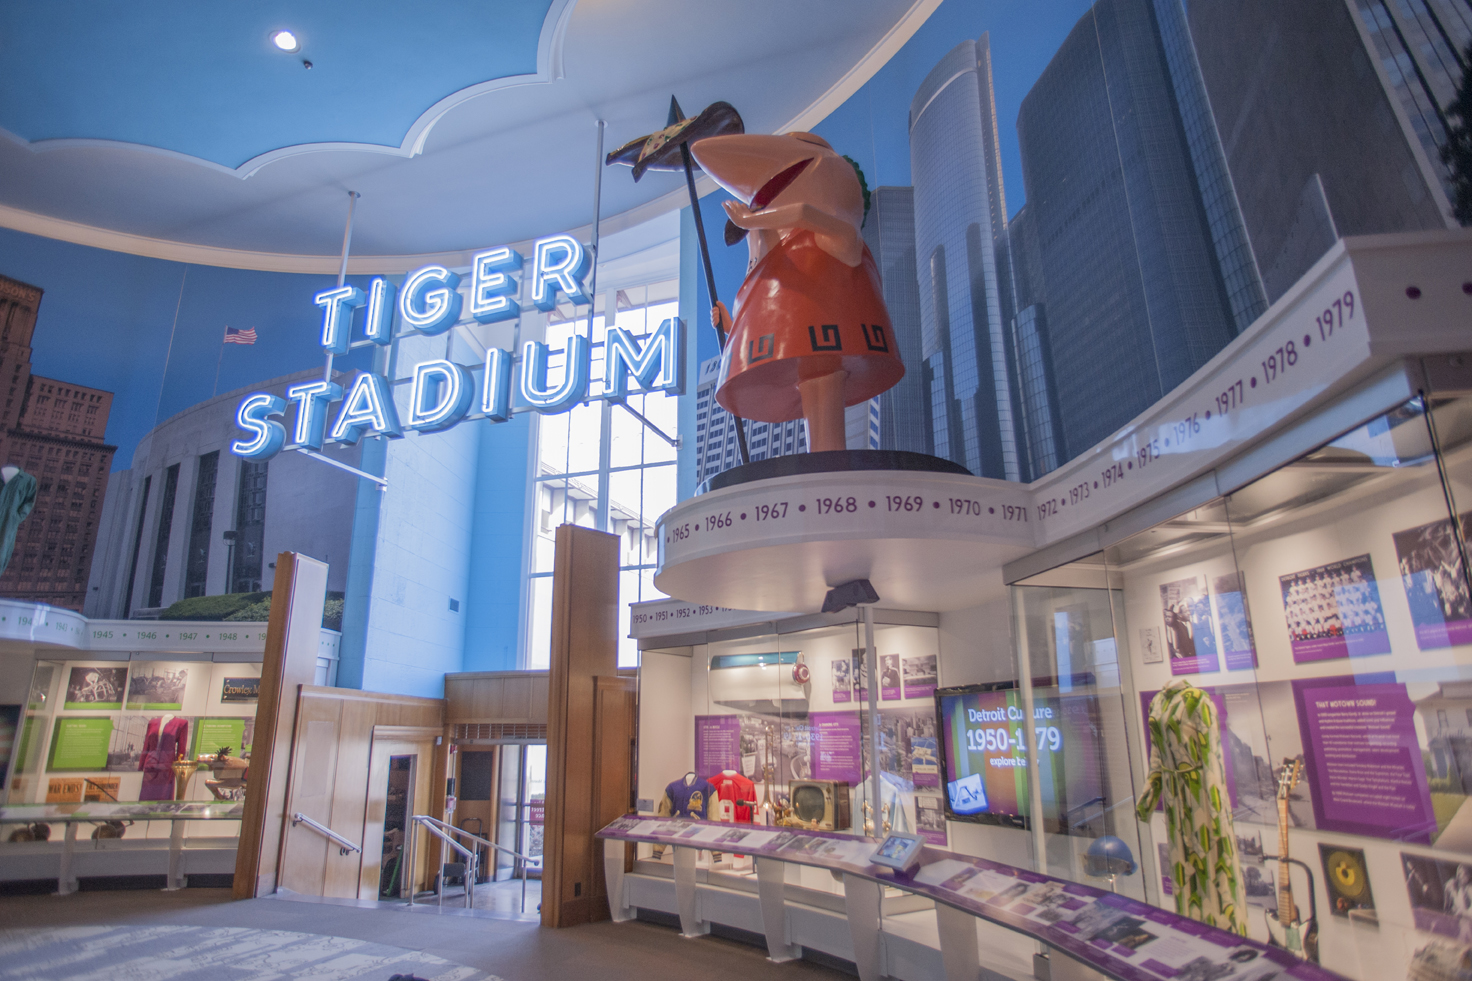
<point x="861" y="899"/>
<point x="958" y="948"/>
<point x="66" y="883"/>
<point x="176" y="857"/>
<point x="690" y="923"/>
<point x="613" y="876"/>
<point x="771" y="887"/>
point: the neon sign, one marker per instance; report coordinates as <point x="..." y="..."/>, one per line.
<point x="443" y="393"/>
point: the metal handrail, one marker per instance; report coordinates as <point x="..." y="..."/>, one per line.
<point x="439" y="828"/>
<point x="343" y="845"/>
<point x="471" y="860"/>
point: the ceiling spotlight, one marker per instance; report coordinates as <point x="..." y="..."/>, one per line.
<point x="286" y="41"/>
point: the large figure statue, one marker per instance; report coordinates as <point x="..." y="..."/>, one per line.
<point x="811" y="334"/>
<point x="17" y="498"/>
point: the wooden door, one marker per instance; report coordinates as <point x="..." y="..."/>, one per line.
<point x="418" y="744"/>
<point x="327" y="765"/>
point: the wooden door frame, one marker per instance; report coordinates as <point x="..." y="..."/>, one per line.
<point x="425" y="743"/>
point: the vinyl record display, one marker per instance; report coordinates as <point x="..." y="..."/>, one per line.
<point x="1347" y="875"/>
<point x="1346" y="879"/>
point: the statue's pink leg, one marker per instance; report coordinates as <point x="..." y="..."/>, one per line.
<point x="822" y="407"/>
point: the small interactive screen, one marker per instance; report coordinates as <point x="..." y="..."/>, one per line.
<point x="984" y="753"/>
<point x="898" y="851"/>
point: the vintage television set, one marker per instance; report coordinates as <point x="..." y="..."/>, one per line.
<point x="983" y="753"/>
<point x="825" y="801"/>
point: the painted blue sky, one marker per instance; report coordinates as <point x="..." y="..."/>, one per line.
<point x="107" y="320"/>
<point x="872" y="125"/>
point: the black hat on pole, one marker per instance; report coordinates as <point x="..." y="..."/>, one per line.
<point x="661" y="150"/>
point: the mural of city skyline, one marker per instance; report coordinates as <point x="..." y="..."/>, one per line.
<point x="1074" y="208"/>
<point x="1173" y="167"/>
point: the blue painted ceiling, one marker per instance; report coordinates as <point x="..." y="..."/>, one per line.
<point x="204" y="79"/>
<point x="180" y="122"/>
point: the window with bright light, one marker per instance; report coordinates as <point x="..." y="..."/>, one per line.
<point x="604" y="466"/>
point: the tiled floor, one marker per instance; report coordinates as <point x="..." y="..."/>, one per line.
<point x="166" y="952"/>
<point x="514" y="949"/>
<point x="502" y="898"/>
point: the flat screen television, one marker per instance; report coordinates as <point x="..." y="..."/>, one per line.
<point x="983" y="753"/>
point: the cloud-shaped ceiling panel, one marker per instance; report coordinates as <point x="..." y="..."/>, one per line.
<point x="204" y="79"/>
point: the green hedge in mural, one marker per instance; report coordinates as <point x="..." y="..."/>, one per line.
<point x="212" y="607"/>
<point x="245" y="607"/>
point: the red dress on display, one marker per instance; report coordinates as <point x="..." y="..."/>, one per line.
<point x="803" y="314"/>
<point x="161" y="746"/>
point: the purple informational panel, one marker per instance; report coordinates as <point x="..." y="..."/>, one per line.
<point x="1364" y="761"/>
<point x="889" y="677"/>
<point x="1436" y="590"/>
<point x="920" y="676"/>
<point x="837" y="746"/>
<point x="1232" y="616"/>
<point x="717" y="743"/>
<point x="860" y="673"/>
<point x="843" y="681"/>
<point x="1334" y="611"/>
<point x="1118" y="936"/>
<point x="1439" y="892"/>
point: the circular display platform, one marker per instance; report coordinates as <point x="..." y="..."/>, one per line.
<point x="831" y="461"/>
<point x="926" y="540"/>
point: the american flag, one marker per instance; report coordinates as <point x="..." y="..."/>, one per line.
<point x="233" y="336"/>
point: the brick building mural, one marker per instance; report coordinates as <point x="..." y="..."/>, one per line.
<point x="54" y="431"/>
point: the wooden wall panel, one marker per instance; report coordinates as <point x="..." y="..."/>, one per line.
<point x="497" y="696"/>
<point x="292" y="637"/>
<point x="584" y="646"/>
<point x="330" y="782"/>
<point x="614" y="712"/>
<point x="350" y="793"/>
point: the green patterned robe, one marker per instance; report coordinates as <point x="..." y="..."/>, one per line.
<point x="1186" y="769"/>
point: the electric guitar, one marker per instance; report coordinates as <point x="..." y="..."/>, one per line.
<point x="1286" y="927"/>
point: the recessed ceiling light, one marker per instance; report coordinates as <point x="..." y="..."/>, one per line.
<point x="286" y="41"/>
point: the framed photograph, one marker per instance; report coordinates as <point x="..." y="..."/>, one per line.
<point x="1150" y="650"/>
<point x="1334" y="611"/>
<point x="1190" y="640"/>
<point x="1431" y="572"/>
<point x="920" y="676"/>
<point x="158" y="687"/>
<point x="96" y="688"/>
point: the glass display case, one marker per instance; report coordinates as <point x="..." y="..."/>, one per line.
<point x="1322" y="612"/>
<point x="144" y="732"/>
<point x="761" y="727"/>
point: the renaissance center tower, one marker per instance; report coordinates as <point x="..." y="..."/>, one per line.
<point x="960" y="223"/>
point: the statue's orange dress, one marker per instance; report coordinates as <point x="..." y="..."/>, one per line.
<point x="803" y="314"/>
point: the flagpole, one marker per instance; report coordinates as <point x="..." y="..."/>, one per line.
<point x="218" y="362"/>
<point x="676" y="115"/>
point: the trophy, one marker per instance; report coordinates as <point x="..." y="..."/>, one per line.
<point x="183" y="770"/>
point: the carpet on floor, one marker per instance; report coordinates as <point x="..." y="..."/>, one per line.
<point x="185" y="953"/>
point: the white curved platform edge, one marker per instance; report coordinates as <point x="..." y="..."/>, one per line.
<point x="926" y="541"/>
<point x="1399" y="297"/>
<point x="45" y="627"/>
